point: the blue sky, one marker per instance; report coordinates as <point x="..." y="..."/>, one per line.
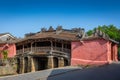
<point x="23" y="16"/>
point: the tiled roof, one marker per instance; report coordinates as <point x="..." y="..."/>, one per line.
<point x="96" y="37"/>
<point x="1" y="34"/>
<point x="8" y="41"/>
<point x="64" y="35"/>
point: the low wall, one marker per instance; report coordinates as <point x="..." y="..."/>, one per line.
<point x="7" y="70"/>
<point x="9" y="67"/>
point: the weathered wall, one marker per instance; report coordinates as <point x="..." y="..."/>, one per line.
<point x="9" y="67"/>
<point x="11" y="49"/>
<point x="7" y="70"/>
<point x="92" y="52"/>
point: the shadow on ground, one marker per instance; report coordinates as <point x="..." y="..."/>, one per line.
<point x="106" y="72"/>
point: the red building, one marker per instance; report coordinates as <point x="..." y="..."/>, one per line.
<point x="6" y="43"/>
<point x="94" y="50"/>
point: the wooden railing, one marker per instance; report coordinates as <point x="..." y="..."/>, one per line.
<point x="39" y="49"/>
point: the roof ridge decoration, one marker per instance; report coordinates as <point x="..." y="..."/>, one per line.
<point x="80" y="33"/>
<point x="99" y="33"/>
<point x="43" y="29"/>
<point x="59" y="29"/>
<point x="51" y="28"/>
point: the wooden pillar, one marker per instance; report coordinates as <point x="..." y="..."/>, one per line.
<point x="29" y="64"/>
<point x="60" y="61"/>
<point x="51" y="45"/>
<point x="31" y="46"/>
<point x="22" y="65"/>
<point x="50" y="62"/>
<point x="32" y="65"/>
<point x="23" y="48"/>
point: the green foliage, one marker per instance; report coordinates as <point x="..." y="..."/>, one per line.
<point x="89" y="32"/>
<point x="5" y="54"/>
<point x="111" y="30"/>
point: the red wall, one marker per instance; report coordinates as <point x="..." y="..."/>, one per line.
<point x="113" y="52"/>
<point x="11" y="49"/>
<point x="92" y="52"/>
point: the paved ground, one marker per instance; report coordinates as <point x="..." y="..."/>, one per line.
<point x="108" y="72"/>
<point x="40" y="75"/>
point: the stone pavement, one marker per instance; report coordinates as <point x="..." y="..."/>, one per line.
<point x="41" y="75"/>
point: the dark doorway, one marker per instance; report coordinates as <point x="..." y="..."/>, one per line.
<point x="40" y="63"/>
<point x="55" y="62"/>
<point x="18" y="65"/>
<point x="26" y="65"/>
<point x="65" y="62"/>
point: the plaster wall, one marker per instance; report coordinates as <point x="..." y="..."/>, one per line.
<point x="91" y="52"/>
